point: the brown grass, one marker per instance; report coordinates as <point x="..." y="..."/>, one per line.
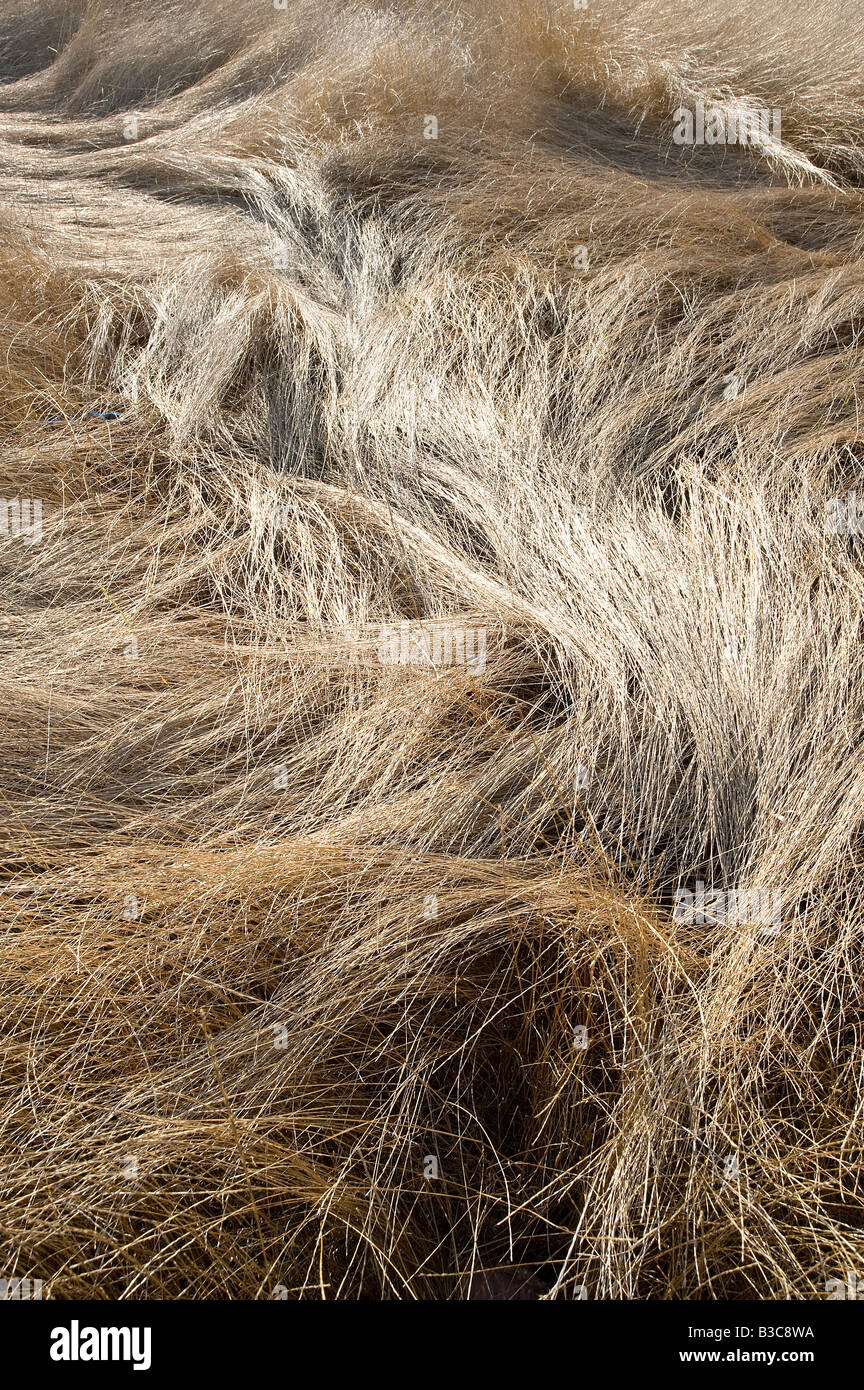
<point x="281" y="922"/>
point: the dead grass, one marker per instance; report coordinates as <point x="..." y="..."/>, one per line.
<point x="283" y="922"/>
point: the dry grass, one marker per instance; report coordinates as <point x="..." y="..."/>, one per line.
<point x="282" y="922"/>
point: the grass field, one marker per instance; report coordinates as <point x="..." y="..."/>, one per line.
<point x="432" y="768"/>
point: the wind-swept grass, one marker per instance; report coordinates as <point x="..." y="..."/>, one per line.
<point x="326" y="975"/>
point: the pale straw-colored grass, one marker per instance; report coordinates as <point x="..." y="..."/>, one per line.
<point x="282" y="922"/>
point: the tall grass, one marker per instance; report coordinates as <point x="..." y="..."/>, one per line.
<point x="326" y="976"/>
